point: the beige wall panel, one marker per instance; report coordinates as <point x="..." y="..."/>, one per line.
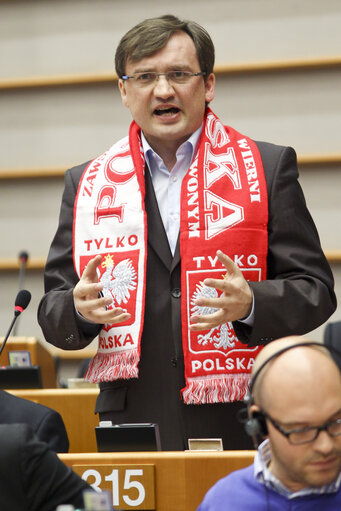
<point x="40" y="37"/>
<point x="59" y="126"/>
<point x="322" y="190"/>
<point x="62" y="126"/>
<point x="301" y="108"/>
<point x="29" y="211"/>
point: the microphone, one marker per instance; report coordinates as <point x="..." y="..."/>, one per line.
<point x="23" y="257"/>
<point x="21" y="302"/>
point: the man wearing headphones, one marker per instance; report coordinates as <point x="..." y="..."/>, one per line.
<point x="295" y="402"/>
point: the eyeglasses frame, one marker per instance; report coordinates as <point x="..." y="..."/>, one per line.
<point x="318" y="429"/>
<point x="188" y="73"/>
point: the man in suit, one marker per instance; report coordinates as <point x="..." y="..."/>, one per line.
<point x="47" y="424"/>
<point x="296" y="406"/>
<point x="178" y="334"/>
<point x="32" y="476"/>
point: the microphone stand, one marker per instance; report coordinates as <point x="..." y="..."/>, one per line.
<point x="8" y="332"/>
<point x="23" y="257"/>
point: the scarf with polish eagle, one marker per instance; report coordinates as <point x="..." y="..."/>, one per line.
<point x="223" y="206"/>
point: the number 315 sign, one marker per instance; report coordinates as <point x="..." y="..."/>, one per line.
<point x="132" y="486"/>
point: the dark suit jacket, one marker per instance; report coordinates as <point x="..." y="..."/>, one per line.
<point x="45" y="422"/>
<point x="332" y="339"/>
<point x="32" y="478"/>
<point x="296" y="297"/>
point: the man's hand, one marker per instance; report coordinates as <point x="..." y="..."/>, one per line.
<point x="87" y="302"/>
<point x="233" y="304"/>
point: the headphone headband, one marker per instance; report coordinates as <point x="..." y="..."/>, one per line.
<point x="283" y="350"/>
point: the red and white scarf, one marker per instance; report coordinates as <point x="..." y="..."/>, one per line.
<point x="223" y="206"/>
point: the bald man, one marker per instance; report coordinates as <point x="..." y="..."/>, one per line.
<point x="297" y="406"/>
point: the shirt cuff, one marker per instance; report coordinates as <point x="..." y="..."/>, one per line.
<point x="249" y="320"/>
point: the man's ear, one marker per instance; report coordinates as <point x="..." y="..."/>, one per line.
<point x="123" y="91"/>
<point x="209" y="88"/>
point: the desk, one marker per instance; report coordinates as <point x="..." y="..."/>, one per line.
<point x="181" y="478"/>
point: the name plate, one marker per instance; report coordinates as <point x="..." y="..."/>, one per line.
<point x="19" y="358"/>
<point x="131" y="486"/>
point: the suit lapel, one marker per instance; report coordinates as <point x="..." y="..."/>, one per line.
<point x="176" y="258"/>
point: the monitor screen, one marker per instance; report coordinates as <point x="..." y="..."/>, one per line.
<point x="128" y="437"/>
<point x="20" y="377"/>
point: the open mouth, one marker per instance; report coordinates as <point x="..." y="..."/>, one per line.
<point x="166" y="111"/>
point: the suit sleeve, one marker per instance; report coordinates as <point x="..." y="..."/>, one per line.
<point x="52" y="431"/>
<point x="47" y="481"/>
<point x="57" y="317"/>
<point x="298" y="294"/>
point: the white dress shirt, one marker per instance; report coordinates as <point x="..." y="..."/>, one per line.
<point x="167" y="184"/>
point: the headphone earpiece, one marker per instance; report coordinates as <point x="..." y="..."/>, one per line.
<point x="256" y="426"/>
<point x="253" y="420"/>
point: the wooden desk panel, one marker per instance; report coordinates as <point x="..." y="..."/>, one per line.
<point x="181" y="478"/>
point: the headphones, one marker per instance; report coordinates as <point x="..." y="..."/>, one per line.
<point x="254" y="421"/>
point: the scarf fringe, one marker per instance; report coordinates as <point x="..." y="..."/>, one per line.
<point x="113" y="366"/>
<point x="216" y="389"/>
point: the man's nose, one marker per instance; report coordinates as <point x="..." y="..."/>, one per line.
<point x="324" y="443"/>
<point x="163" y="87"/>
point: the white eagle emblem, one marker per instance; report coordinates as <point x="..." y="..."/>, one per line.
<point x="225" y="337"/>
<point x="118" y="280"/>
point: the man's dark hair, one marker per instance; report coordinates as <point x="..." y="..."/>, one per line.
<point x="152" y="34"/>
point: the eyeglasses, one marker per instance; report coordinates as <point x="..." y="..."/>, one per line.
<point x="177" y="77"/>
<point x="308" y="434"/>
